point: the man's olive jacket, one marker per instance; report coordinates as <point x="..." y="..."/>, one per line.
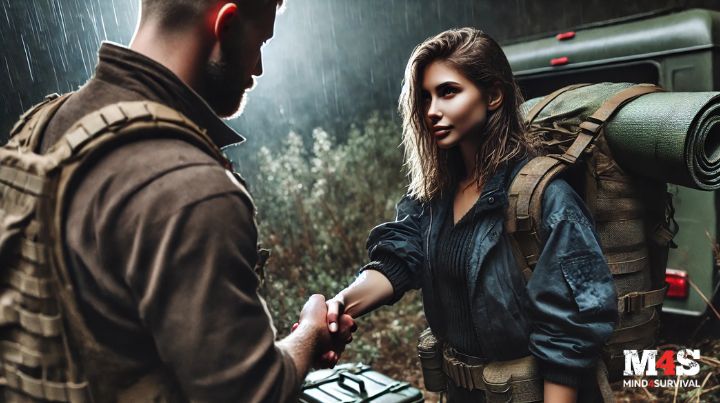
<point x="162" y="244"/>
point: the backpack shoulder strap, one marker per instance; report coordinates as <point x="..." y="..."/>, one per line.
<point x="524" y="213"/>
<point x="121" y="119"/>
<point x="27" y="131"/>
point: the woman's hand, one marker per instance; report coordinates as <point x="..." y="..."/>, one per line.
<point x="336" y="308"/>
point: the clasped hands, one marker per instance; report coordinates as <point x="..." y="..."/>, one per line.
<point x="333" y="328"/>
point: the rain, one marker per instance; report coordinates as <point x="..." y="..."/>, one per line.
<point x="330" y="64"/>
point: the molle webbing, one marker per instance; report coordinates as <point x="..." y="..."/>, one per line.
<point x="48" y="353"/>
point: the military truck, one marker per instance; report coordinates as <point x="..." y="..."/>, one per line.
<point x="678" y="51"/>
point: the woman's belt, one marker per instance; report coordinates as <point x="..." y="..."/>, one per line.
<point x="466" y="371"/>
<point x="503" y="381"/>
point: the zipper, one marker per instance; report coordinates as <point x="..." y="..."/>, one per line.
<point x="427" y="242"/>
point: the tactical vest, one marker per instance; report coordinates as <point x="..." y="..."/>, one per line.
<point x="633" y="217"/>
<point x="48" y="353"/>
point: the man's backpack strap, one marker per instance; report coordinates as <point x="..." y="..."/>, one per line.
<point x="138" y="117"/>
<point x="27" y="131"/>
<point x="524" y="214"/>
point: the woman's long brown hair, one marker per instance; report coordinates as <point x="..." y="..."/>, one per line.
<point x="480" y="59"/>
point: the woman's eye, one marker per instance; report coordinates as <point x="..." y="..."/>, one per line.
<point x="448" y="91"/>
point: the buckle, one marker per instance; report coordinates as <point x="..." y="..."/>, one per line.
<point x="634" y="302"/>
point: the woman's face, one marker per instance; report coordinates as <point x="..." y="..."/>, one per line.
<point x="455" y="108"/>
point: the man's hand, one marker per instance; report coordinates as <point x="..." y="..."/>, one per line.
<point x="329" y="349"/>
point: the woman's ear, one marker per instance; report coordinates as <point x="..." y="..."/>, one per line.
<point x="495" y="97"/>
<point x="224" y="17"/>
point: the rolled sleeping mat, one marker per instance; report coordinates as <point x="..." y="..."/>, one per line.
<point x="667" y="136"/>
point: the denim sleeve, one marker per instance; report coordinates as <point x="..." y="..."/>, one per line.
<point x="395" y="248"/>
<point x="573" y="301"/>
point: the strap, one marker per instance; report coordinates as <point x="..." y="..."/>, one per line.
<point x="629" y="265"/>
<point x="70" y="392"/>
<point x="590" y="128"/>
<point x="22" y="180"/>
<point x="37" y="323"/>
<point x="520" y="259"/>
<point x="33" y="286"/>
<point x="33" y="251"/>
<point x="525" y="207"/>
<point x="641" y="331"/>
<point x="27" y="131"/>
<point x="532" y="114"/>
<point x="28" y="113"/>
<point x="639" y="300"/>
<point x="125" y="117"/>
<point x="20" y="354"/>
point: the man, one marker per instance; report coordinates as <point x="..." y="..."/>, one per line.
<point x="161" y="241"/>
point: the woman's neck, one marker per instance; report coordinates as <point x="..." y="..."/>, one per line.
<point x="468" y="150"/>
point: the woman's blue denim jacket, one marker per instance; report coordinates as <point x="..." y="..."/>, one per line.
<point x="563" y="315"/>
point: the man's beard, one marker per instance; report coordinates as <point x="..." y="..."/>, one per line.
<point x="224" y="94"/>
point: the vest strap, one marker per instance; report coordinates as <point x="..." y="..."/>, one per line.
<point x="44" y="389"/>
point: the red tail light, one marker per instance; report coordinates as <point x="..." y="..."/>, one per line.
<point x="677" y="281"/>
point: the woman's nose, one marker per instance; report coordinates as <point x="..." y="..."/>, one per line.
<point x="433" y="113"/>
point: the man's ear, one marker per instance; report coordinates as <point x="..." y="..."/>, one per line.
<point x="227" y="12"/>
<point x="495" y="97"/>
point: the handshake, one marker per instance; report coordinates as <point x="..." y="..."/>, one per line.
<point x="331" y="327"/>
<point x="326" y="327"/>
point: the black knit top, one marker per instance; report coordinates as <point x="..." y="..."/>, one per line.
<point x="450" y="269"/>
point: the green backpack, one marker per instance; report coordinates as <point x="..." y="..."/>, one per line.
<point x="633" y="216"/>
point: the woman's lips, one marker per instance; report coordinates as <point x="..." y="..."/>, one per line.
<point x="442" y="132"/>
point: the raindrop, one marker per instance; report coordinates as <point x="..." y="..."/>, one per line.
<point x="27" y="57"/>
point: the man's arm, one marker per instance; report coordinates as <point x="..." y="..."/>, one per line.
<point x="304" y="343"/>
<point x="190" y="269"/>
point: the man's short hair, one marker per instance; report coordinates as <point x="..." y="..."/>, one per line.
<point x="176" y="14"/>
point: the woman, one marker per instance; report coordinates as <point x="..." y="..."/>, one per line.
<point x="463" y="139"/>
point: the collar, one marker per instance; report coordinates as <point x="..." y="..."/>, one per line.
<point x="494" y="194"/>
<point x="123" y="67"/>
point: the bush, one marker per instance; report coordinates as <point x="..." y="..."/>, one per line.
<point x="316" y="207"/>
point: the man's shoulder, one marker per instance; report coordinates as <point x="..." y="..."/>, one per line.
<point x="155" y="177"/>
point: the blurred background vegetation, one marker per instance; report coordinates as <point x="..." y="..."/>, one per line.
<point x="317" y="203"/>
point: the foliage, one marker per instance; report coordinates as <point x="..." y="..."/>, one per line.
<point x="316" y="206"/>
